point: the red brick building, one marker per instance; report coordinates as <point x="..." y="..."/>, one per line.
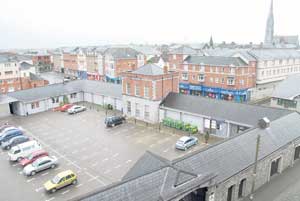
<point x="42" y="61"/>
<point x="70" y="63"/>
<point x="145" y="88"/>
<point x="226" y="78"/>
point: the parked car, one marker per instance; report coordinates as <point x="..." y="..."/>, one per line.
<point x="7" y="135"/>
<point x="65" y="107"/>
<point x="186" y="142"/>
<point x="6" y="129"/>
<point x="33" y="157"/>
<point x="14" y="141"/>
<point x="114" y="120"/>
<point x="61" y="180"/>
<point x="66" y="79"/>
<point x="76" y="108"/>
<point x="4" y="126"/>
<point x="23" y="150"/>
<point x="40" y="164"/>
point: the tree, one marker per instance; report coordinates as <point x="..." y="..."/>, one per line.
<point x="206" y="137"/>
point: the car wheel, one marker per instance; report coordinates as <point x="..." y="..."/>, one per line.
<point x="113" y="125"/>
<point x="19" y="159"/>
<point x="8" y="147"/>
<point x="53" y="190"/>
<point x="74" y="182"/>
<point x="185" y="148"/>
<point x="32" y="173"/>
<point x="53" y="166"/>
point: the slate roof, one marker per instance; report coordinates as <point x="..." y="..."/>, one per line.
<point x="122" y="52"/>
<point x="225" y="52"/>
<point x="272" y="54"/>
<point x="184" y="49"/>
<point x="208" y="166"/>
<point x="222" y="110"/>
<point x="149" y="69"/>
<point x="25" y="66"/>
<point x="53" y="90"/>
<point x="288" y="88"/>
<point x="216" y="61"/>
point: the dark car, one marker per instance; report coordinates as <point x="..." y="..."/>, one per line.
<point x="10" y="134"/>
<point x="113" y="121"/>
<point x="14" y="141"/>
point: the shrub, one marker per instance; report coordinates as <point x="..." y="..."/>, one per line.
<point x="194" y="129"/>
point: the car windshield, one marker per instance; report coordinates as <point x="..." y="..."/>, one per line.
<point x="180" y="142"/>
<point x="55" y="180"/>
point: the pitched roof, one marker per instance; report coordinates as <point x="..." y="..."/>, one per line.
<point x="76" y="86"/>
<point x="184" y="49"/>
<point x="222" y="110"/>
<point x="122" y="52"/>
<point x="215" y="60"/>
<point x="272" y="54"/>
<point x="286" y="89"/>
<point x="149" y="69"/>
<point x="24" y="65"/>
<point x="213" y="164"/>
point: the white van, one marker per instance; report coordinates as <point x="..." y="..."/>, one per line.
<point x="23" y="150"/>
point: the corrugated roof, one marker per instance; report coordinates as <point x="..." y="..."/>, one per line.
<point x="222" y="110"/>
<point x="54" y="90"/>
<point x="149" y="69"/>
<point x="288" y="88"/>
<point x="215" y="61"/>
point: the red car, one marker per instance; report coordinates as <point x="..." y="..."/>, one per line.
<point x="32" y="157"/>
<point x="65" y="107"/>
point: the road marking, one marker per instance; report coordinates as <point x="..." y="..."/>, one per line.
<point x="74" y="152"/>
<point x="94" y="164"/>
<point x="118" y="166"/>
<point x="129" y="161"/>
<point x="57" y="168"/>
<point x="166" y="150"/>
<point x="115" y="155"/>
<point x="30" y="180"/>
<point x="107" y="171"/>
<point x="94" y="178"/>
<point x="50" y="199"/>
<point x="77" y="186"/>
<point x="45" y="173"/>
<point x="65" y="192"/>
<point x="38" y="189"/>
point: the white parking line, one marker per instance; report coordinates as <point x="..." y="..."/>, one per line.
<point x="77" y="186"/>
<point x="30" y="180"/>
<point x="50" y="199"/>
<point x="94" y="164"/>
<point x="106" y="159"/>
<point x="57" y="168"/>
<point x="107" y="171"/>
<point x="45" y="173"/>
<point x="166" y="150"/>
<point x="129" y="161"/>
<point x="115" y="155"/>
<point x="118" y="166"/>
<point x="65" y="192"/>
<point x="38" y="189"/>
<point x="92" y="179"/>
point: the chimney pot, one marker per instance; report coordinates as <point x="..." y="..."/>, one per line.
<point x="264" y="123"/>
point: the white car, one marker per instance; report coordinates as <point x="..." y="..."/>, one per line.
<point x="76" y="108"/>
<point x="40" y="164"/>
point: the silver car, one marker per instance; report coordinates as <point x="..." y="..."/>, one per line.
<point x="76" y="108"/>
<point x="40" y="164"/>
<point x="186" y="142"/>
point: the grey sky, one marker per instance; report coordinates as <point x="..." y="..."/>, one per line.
<point x="54" y="23"/>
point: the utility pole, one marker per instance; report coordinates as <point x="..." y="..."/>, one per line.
<point x="255" y="167"/>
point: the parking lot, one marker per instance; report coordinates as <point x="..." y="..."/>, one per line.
<point x="98" y="155"/>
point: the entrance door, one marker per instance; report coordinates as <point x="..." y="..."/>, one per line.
<point x="11" y="110"/>
<point x="275" y="167"/>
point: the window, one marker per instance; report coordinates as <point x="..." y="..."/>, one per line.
<point x="241" y="188"/>
<point x="211" y="79"/>
<point x="137" y="90"/>
<point x="275" y="167"/>
<point x="287" y="103"/>
<point x="73" y="95"/>
<point x="35" y="105"/>
<point x="53" y="100"/>
<point x="185" y="67"/>
<point x="128" y="88"/>
<point x="8" y="72"/>
<point x="128" y="106"/>
<point x="217" y="80"/>
<point x="174" y="66"/>
<point x="201" y="77"/>
<point x="297" y="153"/>
<point x="137" y="110"/>
<point x="223" y="80"/>
<point x="174" y="56"/>
<point x="184" y="76"/>
<point x="146" y="92"/>
<point x="230" y="81"/>
<point x="147" y="113"/>
<point x="262" y="73"/>
<point x="242" y="82"/>
<point x="230" y="193"/>
<point x="194" y="77"/>
<point x="232" y="70"/>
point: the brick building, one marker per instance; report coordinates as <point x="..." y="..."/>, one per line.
<point x="226" y="78"/>
<point x="42" y="60"/>
<point x="70" y="63"/>
<point x="143" y="90"/>
<point x="94" y="63"/>
<point x="119" y="60"/>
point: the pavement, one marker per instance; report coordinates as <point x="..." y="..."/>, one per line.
<point x="98" y="155"/>
<point x="284" y="187"/>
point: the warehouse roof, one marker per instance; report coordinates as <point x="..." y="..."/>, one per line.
<point x="54" y="90"/>
<point x="153" y="178"/>
<point x="287" y="88"/>
<point x="222" y="110"/>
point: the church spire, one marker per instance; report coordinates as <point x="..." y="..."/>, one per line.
<point x="270" y="27"/>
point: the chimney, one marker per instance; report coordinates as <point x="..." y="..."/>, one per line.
<point x="264" y="123"/>
<point x="165" y="69"/>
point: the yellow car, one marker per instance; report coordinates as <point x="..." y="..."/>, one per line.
<point x="61" y="180"/>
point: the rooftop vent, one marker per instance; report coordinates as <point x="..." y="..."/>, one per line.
<point x="264" y="123"/>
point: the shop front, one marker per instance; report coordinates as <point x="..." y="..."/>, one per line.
<point x="184" y="88"/>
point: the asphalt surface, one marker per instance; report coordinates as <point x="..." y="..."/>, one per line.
<point x="81" y="142"/>
<point x="53" y="77"/>
<point x="284" y="187"/>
